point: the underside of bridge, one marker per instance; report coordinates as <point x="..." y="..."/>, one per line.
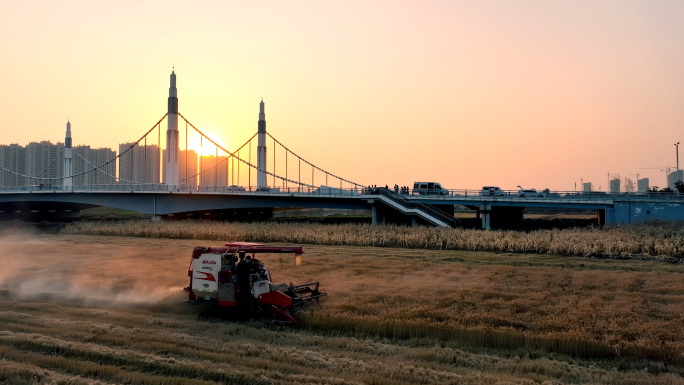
<point x="501" y="217"/>
<point x="234" y="214"/>
<point x="36" y="211"/>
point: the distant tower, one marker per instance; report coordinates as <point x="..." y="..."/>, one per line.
<point x="67" y="182"/>
<point x="261" y="148"/>
<point x="172" y="148"/>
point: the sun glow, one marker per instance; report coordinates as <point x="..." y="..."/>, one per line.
<point x="203" y="146"/>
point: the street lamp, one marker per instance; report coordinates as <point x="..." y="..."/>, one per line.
<point x="677" y="147"/>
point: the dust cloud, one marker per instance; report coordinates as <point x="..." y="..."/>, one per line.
<point x="91" y="270"/>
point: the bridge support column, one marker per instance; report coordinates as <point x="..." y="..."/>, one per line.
<point x="601" y="216"/>
<point x="378" y="216"/>
<point x="499" y="217"/>
<point x="486" y="212"/>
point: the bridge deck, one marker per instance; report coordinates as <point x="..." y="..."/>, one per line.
<point x="158" y="200"/>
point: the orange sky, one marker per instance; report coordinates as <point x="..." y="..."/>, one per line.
<point x="467" y="93"/>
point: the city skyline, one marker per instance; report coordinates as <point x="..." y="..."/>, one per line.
<point x="142" y="164"/>
<point x="535" y="94"/>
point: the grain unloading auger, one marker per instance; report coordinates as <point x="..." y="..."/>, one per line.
<point x="234" y="280"/>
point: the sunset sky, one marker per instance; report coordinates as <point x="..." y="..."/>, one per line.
<point x="466" y="93"/>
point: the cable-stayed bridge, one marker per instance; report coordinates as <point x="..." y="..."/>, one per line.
<point x="269" y="181"/>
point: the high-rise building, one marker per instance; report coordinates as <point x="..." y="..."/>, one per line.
<point x="674" y="177"/>
<point x="643" y="185"/>
<point x="587" y="187"/>
<point x="50" y="164"/>
<point x="615" y="185"/>
<point x="13" y="162"/>
<point x="187" y="168"/>
<point x="213" y="170"/>
<point x="139" y="164"/>
<point x="45" y="160"/>
<point x="86" y="158"/>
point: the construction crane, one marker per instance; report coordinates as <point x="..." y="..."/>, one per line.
<point x="664" y="168"/>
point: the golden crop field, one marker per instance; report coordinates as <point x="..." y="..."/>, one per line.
<point x="649" y="240"/>
<point x="85" y="309"/>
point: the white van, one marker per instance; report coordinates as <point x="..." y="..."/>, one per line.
<point x="429" y="188"/>
<point x="492" y="191"/>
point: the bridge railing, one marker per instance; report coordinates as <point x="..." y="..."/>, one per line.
<point x="323" y="190"/>
<point x="158" y="187"/>
<point x="565" y="195"/>
<point x="465" y="194"/>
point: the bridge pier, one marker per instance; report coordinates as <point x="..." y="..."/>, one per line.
<point x="378" y="215"/>
<point x="601" y="216"/>
<point x="498" y="217"/>
<point x="485" y="211"/>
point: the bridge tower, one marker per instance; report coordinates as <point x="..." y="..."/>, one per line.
<point x="67" y="182"/>
<point x="261" y="148"/>
<point x="172" y="145"/>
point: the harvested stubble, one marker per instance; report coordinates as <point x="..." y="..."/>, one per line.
<point x="660" y="240"/>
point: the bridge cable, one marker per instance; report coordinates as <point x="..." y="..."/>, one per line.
<point x="192" y="176"/>
<point x="102" y="171"/>
<point x="160" y="154"/>
<point x="35" y="177"/>
<point x="312" y="165"/>
<point x="126" y="150"/>
<point x="50" y="164"/>
<point x="96" y="167"/>
<point x="232" y="154"/>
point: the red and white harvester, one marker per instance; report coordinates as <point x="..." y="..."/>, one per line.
<point x="231" y="278"/>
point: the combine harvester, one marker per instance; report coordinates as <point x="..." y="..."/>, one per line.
<point x="231" y="279"/>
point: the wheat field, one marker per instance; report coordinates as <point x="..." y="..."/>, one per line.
<point x="83" y="309"/>
<point x="649" y="240"/>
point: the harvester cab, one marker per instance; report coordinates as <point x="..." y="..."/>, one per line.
<point x="231" y="278"/>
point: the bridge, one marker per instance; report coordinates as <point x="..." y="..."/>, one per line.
<point x="178" y="195"/>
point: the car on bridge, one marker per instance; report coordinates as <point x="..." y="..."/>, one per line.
<point x="429" y="188"/>
<point x="530" y="193"/>
<point x="235" y="188"/>
<point x="492" y="191"/>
